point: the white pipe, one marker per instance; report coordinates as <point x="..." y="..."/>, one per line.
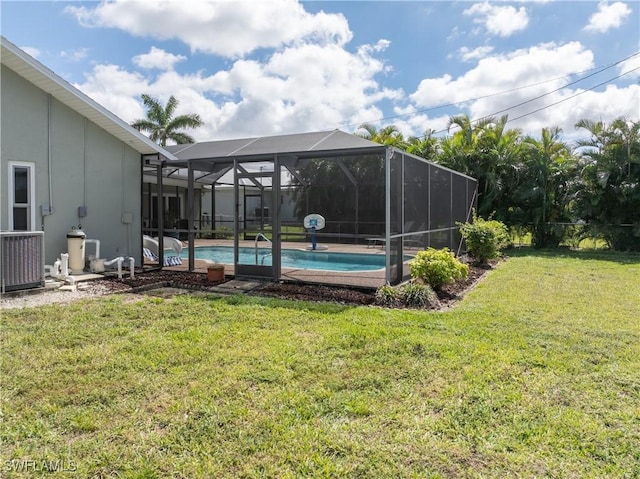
<point x="132" y="265"/>
<point x="97" y="243"/>
<point x="64" y="265"/>
<point x="118" y="261"/>
<point x="56" y="271"/>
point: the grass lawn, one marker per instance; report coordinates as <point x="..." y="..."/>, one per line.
<point x="535" y="374"/>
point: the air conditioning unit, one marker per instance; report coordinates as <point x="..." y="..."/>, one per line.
<point x="21" y="260"/>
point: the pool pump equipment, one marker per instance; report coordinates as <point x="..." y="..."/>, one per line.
<point x="76" y="248"/>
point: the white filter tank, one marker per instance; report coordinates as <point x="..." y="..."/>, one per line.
<point x="76" y="249"/>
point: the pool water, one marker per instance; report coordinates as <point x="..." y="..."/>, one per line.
<point x="293" y="258"/>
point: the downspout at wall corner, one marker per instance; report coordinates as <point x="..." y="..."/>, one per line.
<point x="84" y="160"/>
<point x="49" y="155"/>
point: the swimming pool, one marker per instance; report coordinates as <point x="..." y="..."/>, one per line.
<point x="293" y="258"/>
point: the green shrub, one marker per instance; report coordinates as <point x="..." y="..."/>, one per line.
<point x="412" y="294"/>
<point x="388" y="296"/>
<point x="437" y="267"/>
<point x="418" y="295"/>
<point x="485" y="238"/>
<point x="223" y="232"/>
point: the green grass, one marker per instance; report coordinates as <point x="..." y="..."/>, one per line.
<point x="535" y="374"/>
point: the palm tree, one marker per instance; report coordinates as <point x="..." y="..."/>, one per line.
<point x="544" y="192"/>
<point x="487" y="151"/>
<point x="627" y="134"/>
<point x="388" y="135"/>
<point x="162" y="125"/>
<point x="426" y="146"/>
<point x="598" y="139"/>
<point x="609" y="197"/>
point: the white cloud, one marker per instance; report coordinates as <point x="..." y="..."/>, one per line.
<point x="75" y="55"/>
<point x="308" y="81"/>
<point x="502" y="72"/>
<point x="503" y="21"/>
<point x="608" y="16"/>
<point x="117" y="90"/>
<point x="34" y="52"/>
<point x="412" y="122"/>
<point x="227" y="28"/>
<point x="540" y="68"/>
<point x="301" y="88"/>
<point x="158" y="58"/>
<point x="468" y="55"/>
<point x="455" y="34"/>
<point x="631" y="65"/>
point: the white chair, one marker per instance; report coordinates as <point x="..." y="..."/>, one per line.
<point x="172" y="250"/>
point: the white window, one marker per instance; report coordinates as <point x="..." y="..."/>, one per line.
<point x="22" y="196"/>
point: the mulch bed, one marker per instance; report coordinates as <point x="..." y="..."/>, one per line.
<point x="315" y="292"/>
<point x="286" y="290"/>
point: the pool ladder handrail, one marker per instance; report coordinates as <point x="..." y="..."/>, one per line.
<point x="255" y="244"/>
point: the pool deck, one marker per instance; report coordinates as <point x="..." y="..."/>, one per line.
<point x="359" y="279"/>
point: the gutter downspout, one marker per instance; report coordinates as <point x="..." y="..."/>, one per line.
<point x="49" y="156"/>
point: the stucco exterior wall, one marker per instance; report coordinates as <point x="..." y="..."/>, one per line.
<point x="89" y="167"/>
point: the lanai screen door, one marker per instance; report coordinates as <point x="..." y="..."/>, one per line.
<point x="257" y="255"/>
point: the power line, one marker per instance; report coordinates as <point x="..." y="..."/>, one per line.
<point x="547" y="106"/>
<point x="599" y="70"/>
<point x="574" y="95"/>
<point x="562" y="87"/>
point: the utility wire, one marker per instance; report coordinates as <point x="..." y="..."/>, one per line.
<point x="599" y="70"/>
<point x="574" y="95"/>
<point x="547" y="106"/>
<point x="562" y="87"/>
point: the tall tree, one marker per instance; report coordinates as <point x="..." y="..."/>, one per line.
<point x="487" y="151"/>
<point x="388" y="135"/>
<point x="608" y="196"/>
<point x="543" y="193"/>
<point x="426" y="146"/>
<point x="162" y="125"/>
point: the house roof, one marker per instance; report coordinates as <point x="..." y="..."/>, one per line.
<point x="301" y="145"/>
<point x="35" y="72"/>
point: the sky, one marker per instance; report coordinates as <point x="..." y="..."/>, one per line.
<point x="261" y="68"/>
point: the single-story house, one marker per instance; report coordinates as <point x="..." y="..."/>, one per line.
<point x="67" y="161"/>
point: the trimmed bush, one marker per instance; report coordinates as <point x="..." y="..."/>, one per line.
<point x="485" y="238"/>
<point x="437" y="267"/>
<point x="388" y="296"/>
<point x="412" y="295"/>
<point x="418" y="295"/>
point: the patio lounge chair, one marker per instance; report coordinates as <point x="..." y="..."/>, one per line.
<point x="172" y="250"/>
<point x="376" y="241"/>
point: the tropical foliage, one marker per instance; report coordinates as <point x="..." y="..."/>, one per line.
<point x="485" y="238"/>
<point x="162" y="125"/>
<point x="542" y="185"/>
<point x="437" y="267"/>
<point x="608" y="193"/>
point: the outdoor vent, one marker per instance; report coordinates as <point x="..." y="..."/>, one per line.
<point x="21" y="260"/>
